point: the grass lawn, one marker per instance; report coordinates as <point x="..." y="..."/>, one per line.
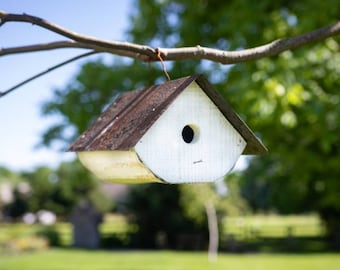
<point x="274" y="226"/>
<point x="240" y="227"/>
<point x="95" y="260"/>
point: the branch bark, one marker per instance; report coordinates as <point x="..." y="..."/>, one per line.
<point x="146" y="53"/>
<point x="92" y="42"/>
<point x="69" y="44"/>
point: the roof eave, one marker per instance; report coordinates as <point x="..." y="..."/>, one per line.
<point x="254" y="145"/>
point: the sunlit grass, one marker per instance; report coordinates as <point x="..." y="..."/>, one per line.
<point x="274" y="226"/>
<point x="95" y="260"/>
<point x="10" y="231"/>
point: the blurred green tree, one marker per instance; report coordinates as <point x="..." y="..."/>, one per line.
<point x="290" y="99"/>
<point x="212" y="202"/>
<point x="42" y="187"/>
<point x="13" y="194"/>
<point x="156" y="210"/>
<point x="65" y="191"/>
<point x="62" y="189"/>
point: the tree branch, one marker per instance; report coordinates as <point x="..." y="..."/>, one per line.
<point x="90" y="41"/>
<point x="146" y="53"/>
<point x="43" y="47"/>
<point x="45" y="72"/>
<point x="69" y="44"/>
<point x="270" y="49"/>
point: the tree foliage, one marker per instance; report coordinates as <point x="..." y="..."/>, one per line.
<point x="157" y="211"/>
<point x="13" y="194"/>
<point x="224" y="195"/>
<point x="291" y="100"/>
<point x="62" y="189"/>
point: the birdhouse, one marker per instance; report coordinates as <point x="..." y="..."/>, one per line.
<point x="181" y="131"/>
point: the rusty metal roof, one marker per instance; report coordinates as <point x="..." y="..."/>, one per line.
<point x="128" y="118"/>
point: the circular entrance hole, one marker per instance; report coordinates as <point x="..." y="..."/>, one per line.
<point x="189" y="133"/>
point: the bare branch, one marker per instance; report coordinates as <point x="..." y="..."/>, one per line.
<point x="45" y="72"/>
<point x="42" y="47"/>
<point x="69" y="44"/>
<point x="146" y="53"/>
<point x="104" y="44"/>
<point x="270" y="49"/>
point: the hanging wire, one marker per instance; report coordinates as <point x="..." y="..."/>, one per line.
<point x="46" y="71"/>
<point x="158" y="53"/>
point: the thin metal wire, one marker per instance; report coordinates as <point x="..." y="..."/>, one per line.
<point x="158" y="53"/>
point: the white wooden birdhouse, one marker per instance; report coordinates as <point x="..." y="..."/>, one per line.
<point x="181" y="131"/>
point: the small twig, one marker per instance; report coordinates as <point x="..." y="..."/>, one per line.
<point x="45" y="72"/>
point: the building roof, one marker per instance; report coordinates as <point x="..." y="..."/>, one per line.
<point x="129" y="117"/>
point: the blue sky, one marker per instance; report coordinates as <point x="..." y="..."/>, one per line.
<point x="21" y="123"/>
